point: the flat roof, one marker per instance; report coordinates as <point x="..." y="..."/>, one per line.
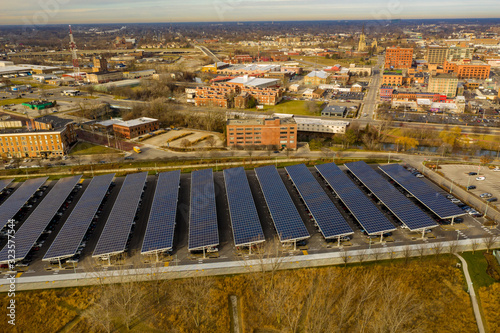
<point x="259" y="121"/>
<point x="322" y="122"/>
<point x="252" y="81"/>
<point x="136" y="122"/>
<point x="109" y="122"/>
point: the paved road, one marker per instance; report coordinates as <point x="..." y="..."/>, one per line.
<point x="371" y="101"/>
<point x="472" y="293"/>
<point x="225" y="268"/>
<point x="208" y="53"/>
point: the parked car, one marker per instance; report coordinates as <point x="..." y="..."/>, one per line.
<point x="480" y="178"/>
<point x="485" y="195"/>
<point x="492" y="199"/>
<point x="471" y="187"/>
<point x="472" y="173"/>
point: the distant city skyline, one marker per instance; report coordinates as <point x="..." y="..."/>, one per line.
<point x="132" y="11"/>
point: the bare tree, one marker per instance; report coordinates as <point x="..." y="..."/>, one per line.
<point x="361" y="255"/>
<point x="192" y="297"/>
<point x="489" y="242"/>
<point x="407" y="254"/>
<point x="474" y="245"/>
<point x="421" y="250"/>
<point x="437" y="249"/>
<point x="99" y="314"/>
<point x="211" y="141"/>
<point x="344" y="256"/>
<point x="185" y="143"/>
<point x="453" y="247"/>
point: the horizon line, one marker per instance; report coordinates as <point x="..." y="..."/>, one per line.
<point x="252" y="21"/>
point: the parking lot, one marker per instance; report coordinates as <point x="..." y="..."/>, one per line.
<point x="471" y="227"/>
<point x="162" y="139"/>
<point x="460" y="176"/>
<point x="442" y="118"/>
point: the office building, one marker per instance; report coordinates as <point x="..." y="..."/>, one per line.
<point x="397" y="57"/>
<point x="271" y="132"/>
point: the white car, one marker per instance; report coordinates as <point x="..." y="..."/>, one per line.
<point x="480" y="178"/>
<point x="485" y="195"/>
<point x="496" y="169"/>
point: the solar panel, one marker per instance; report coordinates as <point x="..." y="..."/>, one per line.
<point x="286" y="218"/>
<point x="330" y="222"/>
<point x="114" y="237"/>
<point x="244" y="218"/>
<point x="402" y="207"/>
<point x="360" y="206"/>
<point x="17" y="199"/>
<point x="160" y="229"/>
<point x="36" y="223"/>
<point x="428" y="196"/>
<point x="203" y="230"/>
<point x="4" y="183"/>
<point x="76" y="226"/>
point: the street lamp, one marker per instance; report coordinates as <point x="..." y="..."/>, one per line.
<point x="451" y="186"/>
<point x="486" y="209"/>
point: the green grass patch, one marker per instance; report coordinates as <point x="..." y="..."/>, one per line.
<point x="15" y="101"/>
<point x="477" y="269"/>
<point x="86" y="148"/>
<point x="292" y="107"/>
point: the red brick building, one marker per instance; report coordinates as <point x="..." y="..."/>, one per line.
<point x="275" y="132"/>
<point x="397" y="57"/>
<point x="51" y="137"/>
<point x="135" y="127"/>
<point x="467" y="69"/>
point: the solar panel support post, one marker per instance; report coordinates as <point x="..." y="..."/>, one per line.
<point x="452" y="220"/>
<point x="451" y="186"/>
<point x="204" y="253"/>
<point x="423" y="233"/>
<point x="381" y="238"/>
<point x="338" y="241"/>
<point x="59" y="261"/>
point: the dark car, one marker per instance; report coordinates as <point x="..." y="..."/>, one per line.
<point x="472" y="173"/>
<point x="471" y="187"/>
<point x="492" y="199"/>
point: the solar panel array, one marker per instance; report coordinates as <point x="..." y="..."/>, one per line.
<point x="331" y="223"/>
<point x="360" y="206"/>
<point x="36" y="223"/>
<point x="244" y="218"/>
<point x="74" y="229"/>
<point x="203" y="231"/>
<point x="405" y="210"/>
<point x="428" y="196"/>
<point x="17" y="199"/>
<point x="4" y="183"/>
<point x="161" y="223"/>
<point x="286" y="218"/>
<point x="114" y="237"/>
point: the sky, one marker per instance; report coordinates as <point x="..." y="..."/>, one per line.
<point x="40" y="12"/>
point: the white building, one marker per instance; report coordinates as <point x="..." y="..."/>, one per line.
<point x="321" y="125"/>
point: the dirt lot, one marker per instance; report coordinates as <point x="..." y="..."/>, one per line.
<point x="161" y="140"/>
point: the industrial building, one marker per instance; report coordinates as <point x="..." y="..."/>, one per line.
<point x="135" y="127"/>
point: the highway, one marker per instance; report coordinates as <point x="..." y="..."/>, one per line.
<point x="208" y="53"/>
